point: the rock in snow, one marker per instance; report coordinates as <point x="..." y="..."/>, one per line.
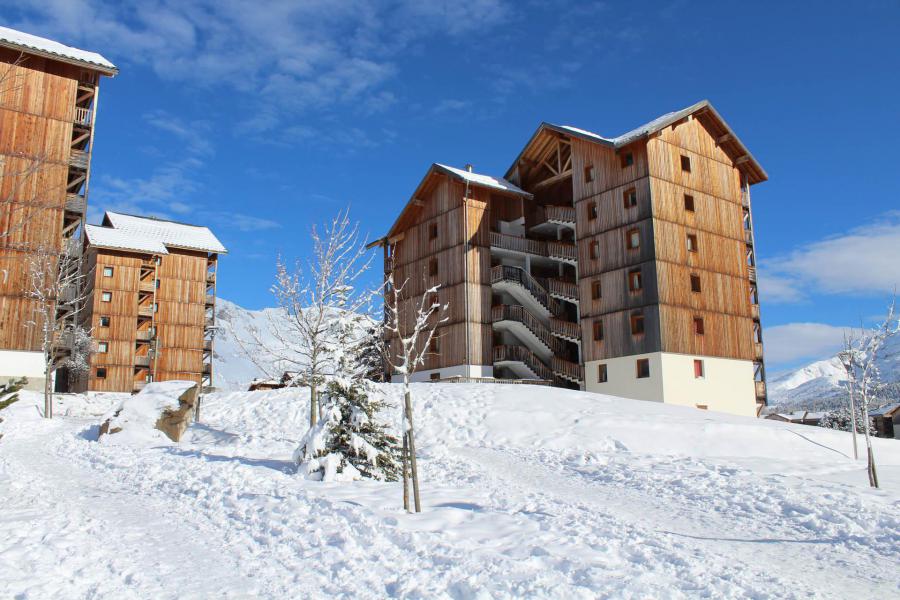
<point x="160" y="412"/>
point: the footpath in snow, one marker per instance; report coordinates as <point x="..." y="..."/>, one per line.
<point x="526" y="491"/>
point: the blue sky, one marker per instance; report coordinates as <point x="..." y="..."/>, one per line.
<point x="261" y="118"/>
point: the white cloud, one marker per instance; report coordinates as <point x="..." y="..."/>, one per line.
<point x="863" y="261"/>
<point x="162" y="194"/>
<point x="793" y="342"/>
<point x="245" y="222"/>
<point x="194" y="133"/>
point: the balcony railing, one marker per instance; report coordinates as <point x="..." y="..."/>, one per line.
<point x="754" y="311"/>
<point x="760" y="390"/>
<point x="207" y="368"/>
<point x="141" y="361"/>
<point x="562" y="250"/>
<point x="210" y="299"/>
<point x="523" y="355"/>
<point x="519" y="314"/>
<point x="145" y="311"/>
<point x="563" y="289"/>
<point x="560" y="215"/>
<point x="748" y="236"/>
<point x="745" y="198"/>
<point x="207" y="345"/>
<point x="210" y="278"/>
<point x="144" y="335"/>
<point x="79" y="159"/>
<point x="147" y="286"/>
<point x="518" y="244"/>
<point x="519" y="276"/>
<point x="758" y="350"/>
<point x="567" y="370"/>
<point x="84" y="116"/>
<point x="565" y="329"/>
<point x="76" y="203"/>
<point x="751" y="273"/>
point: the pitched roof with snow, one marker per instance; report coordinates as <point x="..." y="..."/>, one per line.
<point x="497" y="183"/>
<point x="885" y="411"/>
<point x="107" y="237"/>
<point x="32" y="44"/>
<point x="170" y="233"/>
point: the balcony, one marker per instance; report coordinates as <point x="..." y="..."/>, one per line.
<point x="83" y="116"/>
<point x="761" y="390"/>
<point x="563" y="251"/>
<point x="145" y="310"/>
<point x="758" y="350"/>
<point x="553" y="215"/>
<point x="79" y="159"/>
<point x="207" y="345"/>
<point x="76" y="203"/>
<point x="748" y="237"/>
<point x="751" y="273"/>
<point x="567" y="370"/>
<point x="518" y="244"/>
<point x="524" y="288"/>
<point x="518" y="314"/>
<point x="147" y="286"/>
<point x="139" y="385"/>
<point x="563" y="289"/>
<point x="207" y="369"/>
<point x="210" y="300"/>
<point x="566" y="330"/>
<point x="144" y="335"/>
<point x="210" y="278"/>
<point x="142" y="361"/>
<point x="513" y="356"/>
<point x="745" y="198"/>
<point x="754" y="311"/>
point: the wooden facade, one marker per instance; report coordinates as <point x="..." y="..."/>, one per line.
<point x="47" y="115"/>
<point x="644" y="241"/>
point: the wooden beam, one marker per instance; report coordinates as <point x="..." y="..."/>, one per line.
<point x="418" y="202"/>
<point x="550" y="168"/>
<point x="554" y="179"/>
<point x="723" y="138"/>
<point x="742" y="159"/>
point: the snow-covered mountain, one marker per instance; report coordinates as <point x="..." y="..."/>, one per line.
<point x="232" y="367"/>
<point x="820" y="385"/>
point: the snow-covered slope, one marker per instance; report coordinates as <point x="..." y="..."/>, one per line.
<point x="232" y="366"/>
<point x="820" y="385"/>
<point x="527" y="492"/>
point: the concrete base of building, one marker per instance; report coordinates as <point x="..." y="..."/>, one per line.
<point x="18" y="363"/>
<point x="719" y="384"/>
<point x="447" y="372"/>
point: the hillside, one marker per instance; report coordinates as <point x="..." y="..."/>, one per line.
<point x="527" y="492"/>
<point x="820" y="385"/>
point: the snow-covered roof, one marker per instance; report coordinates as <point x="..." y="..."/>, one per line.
<point x="107" y="237"/>
<point x="497" y="183"/>
<point x="885" y="411"/>
<point x="33" y="44"/>
<point x="170" y="233"/>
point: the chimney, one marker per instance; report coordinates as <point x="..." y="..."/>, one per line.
<point x="469" y="168"/>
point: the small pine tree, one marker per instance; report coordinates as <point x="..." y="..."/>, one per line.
<point x="371" y="352"/>
<point x="9" y="391"/>
<point x="839" y="418"/>
<point x="349" y="442"/>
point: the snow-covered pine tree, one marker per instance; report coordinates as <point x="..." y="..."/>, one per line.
<point x="9" y="391"/>
<point x="349" y="441"/>
<point x="371" y="352"/>
<point x="839" y="418"/>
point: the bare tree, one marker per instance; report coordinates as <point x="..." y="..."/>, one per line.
<point x="411" y="336"/>
<point x="860" y="360"/>
<point x="56" y="282"/>
<point x="299" y="334"/>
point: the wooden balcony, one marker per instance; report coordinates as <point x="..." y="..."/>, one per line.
<point x="207" y="369"/>
<point x="518" y="244"/>
<point x="516" y="275"/>
<point x="145" y="310"/>
<point x="557" y="215"/>
<point x="566" y="330"/>
<point x="83" y="116"/>
<point x="143" y="335"/>
<point x="564" y="251"/>
<point x="563" y="289"/>
<point x="79" y="159"/>
<point x="210" y="300"/>
<point x="751" y="273"/>
<point x="758" y="350"/>
<point x="761" y="390"/>
<point x="523" y="355"/>
<point x="210" y="278"/>
<point x="745" y="198"/>
<point x="207" y="345"/>
<point x="142" y="361"/>
<point x="567" y="370"/>
<point x="754" y="311"/>
<point x="147" y="285"/>
<point x="139" y="385"/>
<point x="748" y="237"/>
<point x="76" y="203"/>
<point x="519" y="314"/>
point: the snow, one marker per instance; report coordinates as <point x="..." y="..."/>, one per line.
<point x="27" y="41"/>
<point x="170" y="233"/>
<point x="107" y="237"/>
<point x="526" y="492"/>
<point x="637" y="132"/>
<point x="136" y="416"/>
<point x="497" y="183"/>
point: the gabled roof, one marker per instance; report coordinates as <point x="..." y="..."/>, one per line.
<point x="107" y="237"/>
<point x="497" y="184"/>
<point x="32" y="44"/>
<point x="885" y="411"/>
<point x="170" y="233"/>
<point x="703" y="109"/>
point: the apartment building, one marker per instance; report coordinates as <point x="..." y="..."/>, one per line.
<point x="621" y="265"/>
<point x="48" y="115"/>
<point x="151" y="307"/>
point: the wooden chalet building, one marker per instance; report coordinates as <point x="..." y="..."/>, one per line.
<point x="618" y="265"/>
<point x="152" y="299"/>
<point x="48" y="113"/>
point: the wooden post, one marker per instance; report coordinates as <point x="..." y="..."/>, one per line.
<point x="405" y="473"/>
<point x="412" y="451"/>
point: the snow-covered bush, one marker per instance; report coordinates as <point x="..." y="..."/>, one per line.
<point x="9" y="391"/>
<point x="839" y="418"/>
<point x="349" y="441"/>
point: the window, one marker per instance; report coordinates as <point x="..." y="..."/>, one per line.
<point x="601" y="374"/>
<point x="627" y="159"/>
<point x="637" y="324"/>
<point x="594" y="250"/>
<point x="686" y="163"/>
<point x="688" y="203"/>
<point x="101" y="372"/>
<point x="692" y="242"/>
<point x="598" y="331"/>
<point x="596" y="290"/>
<point x="434" y="300"/>
<point x="698" y="326"/>
<point x="435" y="376"/>
<point x="630" y="198"/>
<point x="593" y="211"/>
<point x="104" y="321"/>
<point x="432" y="231"/>
<point x="102" y="347"/>
<point x="589" y="173"/>
<point x="635" y="281"/>
<point x="433" y="266"/>
<point x="695" y="283"/>
<point x="632" y="239"/>
<point x="698" y="369"/>
<point x="106" y="297"/>
<point x="434" y="345"/>
<point x="643" y="368"/>
<point x="107" y="271"/>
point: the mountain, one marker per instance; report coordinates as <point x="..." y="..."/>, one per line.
<point x="820" y="385"/>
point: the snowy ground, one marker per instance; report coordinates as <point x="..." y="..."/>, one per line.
<point x="527" y="492"/>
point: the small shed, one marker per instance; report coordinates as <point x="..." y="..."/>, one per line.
<point x="886" y="420"/>
<point x="801" y="417"/>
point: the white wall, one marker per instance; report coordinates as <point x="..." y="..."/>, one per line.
<point x="15" y="363"/>
<point x="457" y="371"/>
<point x="727" y="385"/>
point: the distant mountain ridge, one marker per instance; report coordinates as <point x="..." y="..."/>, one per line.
<point x="820" y="385"/>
